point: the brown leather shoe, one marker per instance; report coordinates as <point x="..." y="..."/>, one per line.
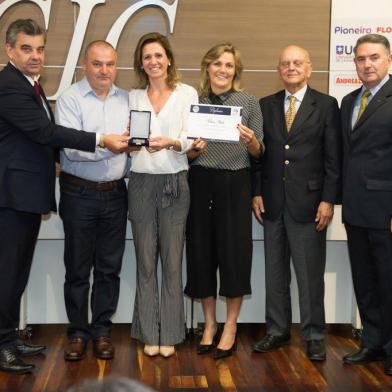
<point x="103" y="347"/>
<point x="76" y="349"/>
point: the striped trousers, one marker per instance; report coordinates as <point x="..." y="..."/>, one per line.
<point x="158" y="208"/>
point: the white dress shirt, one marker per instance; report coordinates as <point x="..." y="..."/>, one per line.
<point x="299" y="97"/>
<point x="170" y="122"/>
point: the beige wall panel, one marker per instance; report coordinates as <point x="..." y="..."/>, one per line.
<point x="25" y="10"/>
<point x="144" y="21"/>
<point x="50" y="79"/>
<point x="260" y="84"/>
<point x="266" y="83"/>
<point x="260" y="29"/>
<point x="61" y="27"/>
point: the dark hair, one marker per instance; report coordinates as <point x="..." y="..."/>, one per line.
<point x="26" y="26"/>
<point x="173" y="76"/>
<point x="373" y="39"/>
<point x="214" y="53"/>
<point x="97" y="42"/>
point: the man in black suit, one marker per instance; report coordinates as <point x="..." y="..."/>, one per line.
<point x="367" y="197"/>
<point x="294" y="196"/>
<point x="27" y="175"/>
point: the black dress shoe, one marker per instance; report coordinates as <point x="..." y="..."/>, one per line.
<point x="271" y="342"/>
<point x="206" y="348"/>
<point x="28" y="350"/>
<point x="388" y="365"/>
<point x="316" y="350"/>
<point x="9" y="362"/>
<point x="364" y="355"/>
<point x="220" y="354"/>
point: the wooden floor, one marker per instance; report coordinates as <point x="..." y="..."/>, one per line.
<point x="286" y="369"/>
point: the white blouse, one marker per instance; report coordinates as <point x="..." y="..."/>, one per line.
<point x="170" y="122"/>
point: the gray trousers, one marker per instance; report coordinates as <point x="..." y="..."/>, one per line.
<point x="158" y="208"/>
<point x="285" y="238"/>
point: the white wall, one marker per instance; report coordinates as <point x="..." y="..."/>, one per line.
<point x="45" y="303"/>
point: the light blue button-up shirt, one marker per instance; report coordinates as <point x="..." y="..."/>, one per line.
<point x="80" y="108"/>
<point x="373" y="91"/>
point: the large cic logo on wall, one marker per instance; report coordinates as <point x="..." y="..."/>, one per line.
<point x="85" y="11"/>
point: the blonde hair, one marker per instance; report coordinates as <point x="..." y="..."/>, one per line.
<point x="173" y="76"/>
<point x="204" y="86"/>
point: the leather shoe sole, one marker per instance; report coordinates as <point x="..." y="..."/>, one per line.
<point x="204" y="348"/>
<point x="364" y="356"/>
<point x="9" y="362"/>
<point x="28" y="350"/>
<point x="76" y="349"/>
<point x="17" y="368"/>
<point x="207" y="348"/>
<point x="221" y="353"/>
<point x="316" y="350"/>
<point x="388" y="366"/>
<point x="103" y="348"/>
<point x="270" y="343"/>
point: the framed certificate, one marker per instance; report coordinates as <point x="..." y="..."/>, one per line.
<point x="139" y="127"/>
<point x="214" y="122"/>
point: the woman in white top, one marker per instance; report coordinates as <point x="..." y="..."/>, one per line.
<point x="159" y="196"/>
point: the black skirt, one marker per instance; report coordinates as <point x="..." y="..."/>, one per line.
<point x="219" y="233"/>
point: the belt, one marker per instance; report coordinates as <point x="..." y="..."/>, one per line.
<point x="97" y="185"/>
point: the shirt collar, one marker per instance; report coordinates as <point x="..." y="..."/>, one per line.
<point x="299" y="95"/>
<point x="223" y="97"/>
<point x="31" y="79"/>
<point x="374" y="90"/>
<point x="86" y="89"/>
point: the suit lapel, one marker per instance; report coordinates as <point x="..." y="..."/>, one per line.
<point x="278" y="113"/>
<point x="28" y="85"/>
<point x="305" y="110"/>
<point x="349" y="114"/>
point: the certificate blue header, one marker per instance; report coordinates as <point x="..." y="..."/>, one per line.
<point x="209" y="109"/>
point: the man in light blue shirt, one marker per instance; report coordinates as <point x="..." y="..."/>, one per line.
<point x="93" y="203"/>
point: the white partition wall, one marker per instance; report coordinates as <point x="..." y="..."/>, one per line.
<point x="45" y="302"/>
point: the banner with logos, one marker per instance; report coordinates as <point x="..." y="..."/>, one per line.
<point x="351" y="19"/>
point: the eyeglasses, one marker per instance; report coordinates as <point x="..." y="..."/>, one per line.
<point x="296" y="64"/>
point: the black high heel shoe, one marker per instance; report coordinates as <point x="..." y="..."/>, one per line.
<point x="206" y="348"/>
<point x="220" y="354"/>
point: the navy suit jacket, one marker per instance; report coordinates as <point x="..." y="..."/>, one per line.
<point x="302" y="167"/>
<point x="27" y="140"/>
<point x="367" y="161"/>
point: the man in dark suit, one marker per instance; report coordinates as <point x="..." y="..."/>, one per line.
<point x="27" y="175"/>
<point x="367" y="197"/>
<point x="294" y="196"/>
